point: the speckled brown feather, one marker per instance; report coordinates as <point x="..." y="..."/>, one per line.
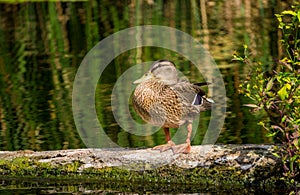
<point x="167" y="105"/>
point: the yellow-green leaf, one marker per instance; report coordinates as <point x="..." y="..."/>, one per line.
<point x="288" y="86"/>
<point x="282" y="93"/>
<point x="276" y="155"/>
<point x="271" y="134"/>
<point x="278" y="17"/>
<point x="289" y="12"/>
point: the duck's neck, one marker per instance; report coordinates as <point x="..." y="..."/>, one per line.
<point x="169" y="82"/>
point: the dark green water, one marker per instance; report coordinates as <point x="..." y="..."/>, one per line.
<point x="43" y="44"/>
<point x="104" y="187"/>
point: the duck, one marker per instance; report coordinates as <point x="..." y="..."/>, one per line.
<point x="163" y="99"/>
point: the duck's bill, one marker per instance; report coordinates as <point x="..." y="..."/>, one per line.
<point x="143" y="79"/>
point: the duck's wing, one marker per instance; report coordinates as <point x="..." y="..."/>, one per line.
<point x="192" y="95"/>
<point x="188" y="92"/>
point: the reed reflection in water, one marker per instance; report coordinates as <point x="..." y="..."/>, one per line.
<point x="43" y="44"/>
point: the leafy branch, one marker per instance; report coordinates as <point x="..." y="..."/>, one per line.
<point x="278" y="94"/>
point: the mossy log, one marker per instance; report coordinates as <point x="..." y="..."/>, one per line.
<point x="205" y="165"/>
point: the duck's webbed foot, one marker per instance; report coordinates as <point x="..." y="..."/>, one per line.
<point x="186" y="147"/>
<point x="164" y="147"/>
<point x="182" y="148"/>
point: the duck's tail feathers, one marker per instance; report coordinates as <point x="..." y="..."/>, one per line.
<point x="202" y="83"/>
<point x="203" y="102"/>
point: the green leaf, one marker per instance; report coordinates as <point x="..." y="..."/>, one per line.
<point x="279" y="18"/>
<point x="272" y="134"/>
<point x="289" y="12"/>
<point x="283" y="119"/>
<point x="283" y="91"/>
<point x="276" y="155"/>
<point x="269" y="85"/>
<point x="270" y="94"/>
<point x="261" y="123"/>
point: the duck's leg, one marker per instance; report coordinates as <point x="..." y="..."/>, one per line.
<point x="169" y="143"/>
<point x="186" y="147"/>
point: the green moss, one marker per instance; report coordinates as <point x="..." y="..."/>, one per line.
<point x="25" y="166"/>
<point x="201" y="176"/>
<point x="213" y="176"/>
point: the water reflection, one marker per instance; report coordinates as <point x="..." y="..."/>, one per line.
<point x="42" y="45"/>
<point x="13" y="186"/>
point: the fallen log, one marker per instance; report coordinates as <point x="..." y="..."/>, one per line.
<point x="205" y="165"/>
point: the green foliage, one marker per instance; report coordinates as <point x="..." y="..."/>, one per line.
<point x="278" y="93"/>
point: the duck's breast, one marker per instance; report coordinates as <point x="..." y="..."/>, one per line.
<point x="158" y="104"/>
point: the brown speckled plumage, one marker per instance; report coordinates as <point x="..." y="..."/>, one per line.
<point x="162" y="99"/>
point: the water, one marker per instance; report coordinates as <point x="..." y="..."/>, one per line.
<point x="43" y="44"/>
<point x="14" y="186"/>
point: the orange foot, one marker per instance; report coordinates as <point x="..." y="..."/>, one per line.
<point x="182" y="148"/>
<point x="164" y="147"/>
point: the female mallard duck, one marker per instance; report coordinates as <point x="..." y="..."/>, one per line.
<point x="162" y="99"/>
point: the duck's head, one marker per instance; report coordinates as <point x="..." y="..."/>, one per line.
<point x="161" y="70"/>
